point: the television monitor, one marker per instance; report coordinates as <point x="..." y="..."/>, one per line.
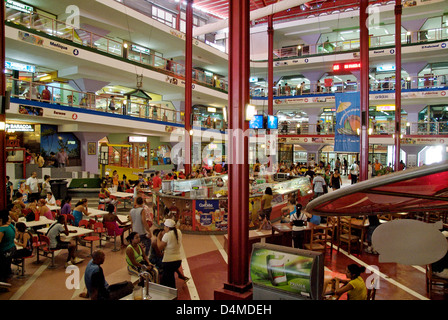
<point x="256" y="122"/>
<point x="272" y="122"/>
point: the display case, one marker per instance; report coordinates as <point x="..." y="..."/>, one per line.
<point x="201" y="205"/>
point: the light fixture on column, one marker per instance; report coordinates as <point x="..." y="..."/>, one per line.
<point x="250" y="112"/>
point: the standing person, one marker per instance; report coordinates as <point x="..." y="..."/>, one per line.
<point x="46" y="94"/>
<point x="266" y="209"/>
<point x="62" y="158"/>
<point x="318" y="185"/>
<point x="170" y="241"/>
<point x="354" y="172"/>
<point x="345" y="167"/>
<point x="40" y="160"/>
<point x="157" y="181"/>
<point x="9" y="191"/>
<point x="335" y="180"/>
<point x="53" y="233"/>
<point x="32" y="185"/>
<point x="96" y="284"/>
<point x="7" y="245"/>
<point x="374" y="222"/>
<point x="46" y="186"/>
<point x="24" y="191"/>
<point x="377" y="166"/>
<point x="139" y="224"/>
<point x="298" y="222"/>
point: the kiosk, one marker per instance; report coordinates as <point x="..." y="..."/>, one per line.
<point x="201" y="205"/>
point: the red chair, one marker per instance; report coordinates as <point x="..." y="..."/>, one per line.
<point x="102" y="207"/>
<point x="99" y="229"/>
<point x="46" y="250"/>
<point x="88" y="238"/>
<point x="20" y="263"/>
<point x="70" y="218"/>
<point x="37" y="244"/>
<point x="113" y="231"/>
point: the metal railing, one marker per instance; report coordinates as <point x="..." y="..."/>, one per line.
<point x="62" y="30"/>
<point x="420" y="82"/>
<point x="66" y="97"/>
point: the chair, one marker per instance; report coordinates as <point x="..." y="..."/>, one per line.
<point x="37" y="244"/>
<point x="99" y="229"/>
<point x="102" y="207"/>
<point x="45" y="247"/>
<point x="347" y="235"/>
<point x="371" y="290"/>
<point x="318" y="239"/>
<point x="433" y="280"/>
<point x="70" y="218"/>
<point x="89" y="238"/>
<point x="20" y="263"/>
<point x="112" y="232"/>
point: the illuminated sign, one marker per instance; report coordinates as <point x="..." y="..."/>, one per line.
<point x="385" y="108"/>
<point x="18" y="127"/>
<point x="18" y="6"/>
<point x="346" y="66"/>
<point x="138" y="139"/>
<point x="19" y="66"/>
<point x="140" y="49"/>
<point x="385" y="68"/>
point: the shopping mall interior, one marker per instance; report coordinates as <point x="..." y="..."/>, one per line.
<point x="107" y="80"/>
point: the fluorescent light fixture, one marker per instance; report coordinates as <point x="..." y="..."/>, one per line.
<point x="250" y="112"/>
<point x="306" y="31"/>
<point x="211" y="109"/>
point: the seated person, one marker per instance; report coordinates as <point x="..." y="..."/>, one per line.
<point x="96" y="284"/>
<point x="23" y="239"/>
<point x="104" y="194"/>
<point x="50" y="199"/>
<point x="17" y="206"/>
<point x="354" y="285"/>
<point x="44" y="210"/>
<point x="53" y="233"/>
<point x="111" y="222"/>
<point x="80" y="210"/>
<point x="137" y="259"/>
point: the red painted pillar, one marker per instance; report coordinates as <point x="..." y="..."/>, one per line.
<point x="238" y="285"/>
<point x="271" y="65"/>
<point x="364" y="51"/>
<point x="188" y="84"/>
<point x="2" y="115"/>
<point x="398" y="11"/>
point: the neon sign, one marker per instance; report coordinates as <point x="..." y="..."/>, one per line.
<point x="346" y="66"/>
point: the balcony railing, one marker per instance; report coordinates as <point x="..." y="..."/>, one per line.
<point x="59" y="29"/>
<point x="420" y="82"/>
<point x="90" y="101"/>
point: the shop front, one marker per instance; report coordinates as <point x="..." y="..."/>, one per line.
<point x="201" y="205"/>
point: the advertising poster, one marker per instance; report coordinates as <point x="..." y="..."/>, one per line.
<point x="348" y="122"/>
<point x="209" y="215"/>
<point x="282" y="271"/>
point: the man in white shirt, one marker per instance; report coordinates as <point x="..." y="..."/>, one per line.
<point x="318" y="184"/>
<point x="32" y="185"/>
<point x="354" y="172"/>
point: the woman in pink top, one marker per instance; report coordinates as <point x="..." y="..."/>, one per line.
<point x="44" y="210"/>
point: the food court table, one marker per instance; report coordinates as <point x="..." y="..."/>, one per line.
<point x="79" y="232"/>
<point x="122" y="195"/>
<point x="41" y="222"/>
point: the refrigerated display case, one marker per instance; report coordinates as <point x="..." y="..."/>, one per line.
<point x="201" y="205"/>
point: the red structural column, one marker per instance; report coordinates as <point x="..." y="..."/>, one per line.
<point x="398" y="11"/>
<point x="270" y="65"/>
<point x="238" y="285"/>
<point x="364" y="51"/>
<point x="188" y="84"/>
<point x="2" y="115"/>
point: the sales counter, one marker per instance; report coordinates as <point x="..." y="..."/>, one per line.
<point x="201" y="205"/>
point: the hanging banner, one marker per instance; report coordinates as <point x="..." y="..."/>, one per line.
<point x="348" y="122"/>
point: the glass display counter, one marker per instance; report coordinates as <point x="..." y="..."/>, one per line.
<point x="201" y="205"/>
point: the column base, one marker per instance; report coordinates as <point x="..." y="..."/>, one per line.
<point x="234" y="292"/>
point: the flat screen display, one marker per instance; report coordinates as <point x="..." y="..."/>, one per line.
<point x="272" y="122"/>
<point x="256" y="122"/>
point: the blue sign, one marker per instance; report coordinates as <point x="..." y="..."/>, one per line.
<point x="19" y="66"/>
<point x="256" y="122"/>
<point x="348" y="122"/>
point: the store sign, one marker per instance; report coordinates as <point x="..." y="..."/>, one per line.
<point x="385" y="108"/>
<point x="18" y="6"/>
<point x="138" y="139"/>
<point x="19" y="66"/>
<point x="347" y="66"/>
<point x="139" y="49"/>
<point x="18" y="127"/>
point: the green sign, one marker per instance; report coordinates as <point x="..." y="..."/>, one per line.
<point x="19" y="6"/>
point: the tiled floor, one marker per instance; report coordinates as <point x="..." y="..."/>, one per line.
<point x="206" y="264"/>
